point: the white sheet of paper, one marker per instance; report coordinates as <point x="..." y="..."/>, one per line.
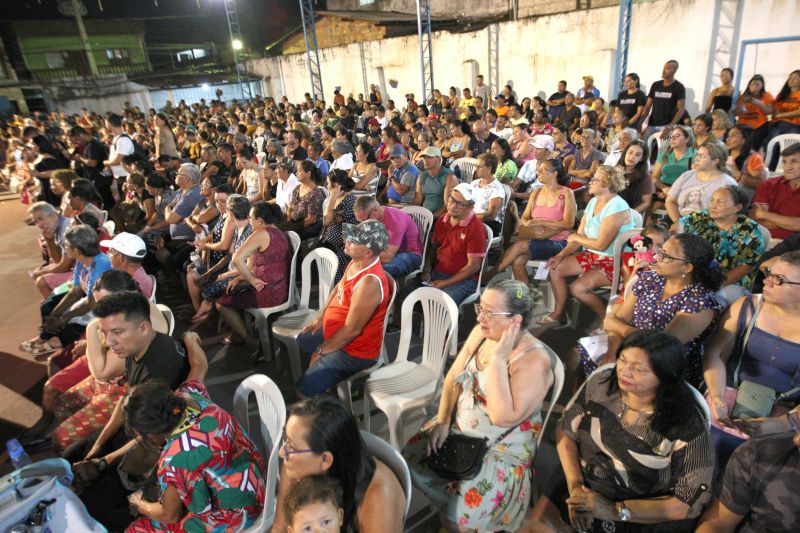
<point x="542" y="272"/>
<point x="596" y="346"/>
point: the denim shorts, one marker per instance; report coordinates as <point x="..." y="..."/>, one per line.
<point x="331" y="369"/>
<point x="545" y="249"/>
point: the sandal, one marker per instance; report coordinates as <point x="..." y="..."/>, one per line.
<point x="30" y="344"/>
<point x="229" y="341"/>
<point x="596" y="332"/>
<point x="42" y="349"/>
<point x="546" y="320"/>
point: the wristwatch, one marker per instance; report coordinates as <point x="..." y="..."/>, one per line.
<point x="623" y="513"/>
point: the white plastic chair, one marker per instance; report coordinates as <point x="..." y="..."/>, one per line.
<point x="404" y="385"/>
<point x="701" y="402"/>
<point x="287" y="327"/>
<point x="765" y="233"/>
<point x="110" y="226"/>
<point x="655" y="144"/>
<point x="272" y="418"/>
<point x="498" y="240"/>
<point x="345" y="388"/>
<point x="391" y="458"/>
<point x="169" y="315"/>
<point x="557" y="367"/>
<point x="475" y="295"/>
<point x="424" y="220"/>
<point x="259" y="142"/>
<point x="466" y="166"/>
<point x="155" y="285"/>
<point x="261" y="314"/>
<point x="261" y="157"/>
<point x="781" y="142"/>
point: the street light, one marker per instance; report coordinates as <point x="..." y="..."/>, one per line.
<point x="237" y="44"/>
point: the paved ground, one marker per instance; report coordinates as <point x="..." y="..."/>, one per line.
<point x="22" y="377"/>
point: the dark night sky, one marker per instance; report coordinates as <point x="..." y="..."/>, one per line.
<point x="176" y="21"/>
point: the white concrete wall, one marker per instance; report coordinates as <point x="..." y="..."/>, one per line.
<point x="537" y="52"/>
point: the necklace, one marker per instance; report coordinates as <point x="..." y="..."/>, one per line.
<point x="640" y="413"/>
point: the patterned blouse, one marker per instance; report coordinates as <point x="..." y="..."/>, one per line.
<point x="213" y="465"/>
<point x="742" y="244"/>
<point x="651" y="312"/>
<point x="633" y="461"/>
<point x="305" y="206"/>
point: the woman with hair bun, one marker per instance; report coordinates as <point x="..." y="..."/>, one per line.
<point x="211" y="476"/>
<point x="495" y="387"/>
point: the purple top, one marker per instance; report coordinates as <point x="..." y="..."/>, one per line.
<point x="403" y="231"/>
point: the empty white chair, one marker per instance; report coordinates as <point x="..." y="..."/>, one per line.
<point x="272" y="418"/>
<point x="424" y="220"/>
<point x="779" y="143"/>
<point x="345" y="387"/>
<point x="261" y="314"/>
<point x="466" y="166"/>
<point x="287" y="327"/>
<point x="404" y="385"/>
<point x="169" y="315"/>
<point x="391" y="458"/>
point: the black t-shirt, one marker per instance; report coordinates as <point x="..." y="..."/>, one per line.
<point x="223" y="170"/>
<point x="629" y="103"/>
<point x="300" y="154"/>
<point x="98" y="152"/>
<point x="665" y="101"/>
<point x="477" y="146"/>
<point x="348" y="122"/>
<point x="569" y="117"/>
<point x="164" y="359"/>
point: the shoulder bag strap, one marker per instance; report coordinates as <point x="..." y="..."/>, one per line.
<point x="750" y="326"/>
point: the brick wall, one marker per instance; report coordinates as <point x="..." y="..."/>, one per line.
<point x="335" y="31"/>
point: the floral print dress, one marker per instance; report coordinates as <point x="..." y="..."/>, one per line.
<point x="497" y="498"/>
<point x="214" y="466"/>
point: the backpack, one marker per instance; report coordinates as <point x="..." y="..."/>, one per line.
<point x="138" y="151"/>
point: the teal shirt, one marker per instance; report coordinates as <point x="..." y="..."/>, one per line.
<point x="593" y="220"/>
<point x="433" y="189"/>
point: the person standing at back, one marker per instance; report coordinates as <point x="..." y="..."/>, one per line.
<point x="666" y="102"/>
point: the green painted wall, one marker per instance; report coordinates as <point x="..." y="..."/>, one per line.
<point x="35" y="47"/>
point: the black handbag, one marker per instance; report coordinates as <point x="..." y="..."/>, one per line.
<point x="461" y="456"/>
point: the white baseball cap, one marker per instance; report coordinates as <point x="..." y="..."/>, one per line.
<point x="466" y="191"/>
<point x="127" y="244"/>
<point x="543" y="141"/>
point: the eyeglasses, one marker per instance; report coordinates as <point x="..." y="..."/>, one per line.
<point x="457" y="203"/>
<point x="676" y="136"/>
<point x="702" y="156"/>
<point x="489" y="314"/>
<point x="288" y="451"/>
<point x="663" y="255"/>
<point x="777" y="279"/>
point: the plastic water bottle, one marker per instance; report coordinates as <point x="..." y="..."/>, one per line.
<point x="19" y="457"/>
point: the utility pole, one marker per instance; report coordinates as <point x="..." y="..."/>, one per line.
<point x="87" y="46"/>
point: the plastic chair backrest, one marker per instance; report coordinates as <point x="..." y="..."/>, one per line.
<point x="294" y="238"/>
<point x="169" y="315"/>
<point x="782" y="142"/>
<point x="489" y="237"/>
<point x="557" y="368"/>
<point x="638" y="220"/>
<point x="701" y="401"/>
<point x="259" y="142"/>
<point x="327" y="263"/>
<point x="384" y="357"/>
<point x="384" y="452"/>
<point x="466" y="166"/>
<point x="110" y="226"/>
<point x="155" y="285"/>
<point x="440" y="320"/>
<point x="424" y="220"/>
<point x="325" y="192"/>
<point x="765" y="233"/>
<point x="272" y="418"/>
<point x="619" y="244"/>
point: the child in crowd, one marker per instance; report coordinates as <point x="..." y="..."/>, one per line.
<point x="314" y="505"/>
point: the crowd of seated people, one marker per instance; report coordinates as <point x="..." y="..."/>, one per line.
<point x="206" y="199"/>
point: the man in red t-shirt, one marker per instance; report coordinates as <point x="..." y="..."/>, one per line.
<point x="346" y="337"/>
<point x="457" y="247"/>
<point x="777" y="201"/>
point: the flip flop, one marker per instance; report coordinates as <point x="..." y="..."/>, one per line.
<point x="42" y="349"/>
<point x="547" y="321"/>
<point x="227" y="341"/>
<point x="28" y="346"/>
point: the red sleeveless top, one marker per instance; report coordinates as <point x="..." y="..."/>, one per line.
<point x="368" y="344"/>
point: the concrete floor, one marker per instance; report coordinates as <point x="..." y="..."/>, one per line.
<point x="22" y="377"/>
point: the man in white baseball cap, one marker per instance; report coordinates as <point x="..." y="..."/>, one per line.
<point x="126" y="252"/>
